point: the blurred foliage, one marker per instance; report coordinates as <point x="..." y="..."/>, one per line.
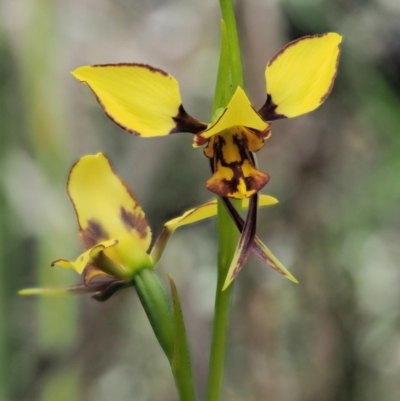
<point x="333" y="337"/>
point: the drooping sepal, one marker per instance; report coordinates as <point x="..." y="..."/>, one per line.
<point x="259" y="248"/>
<point x="245" y="244"/>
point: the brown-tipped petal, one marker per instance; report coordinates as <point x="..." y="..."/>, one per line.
<point x="301" y="76"/>
<point x="141" y="99"/>
<point x="245" y="243"/>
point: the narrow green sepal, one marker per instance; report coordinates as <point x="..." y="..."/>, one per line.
<point x="181" y="361"/>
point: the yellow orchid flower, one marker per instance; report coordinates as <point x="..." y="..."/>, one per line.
<point x="113" y="231"/>
<point x="146" y="101"/>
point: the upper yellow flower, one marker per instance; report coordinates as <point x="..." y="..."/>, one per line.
<point x="146" y="101"/>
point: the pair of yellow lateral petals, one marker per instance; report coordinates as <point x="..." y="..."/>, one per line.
<point x="146" y="101"/>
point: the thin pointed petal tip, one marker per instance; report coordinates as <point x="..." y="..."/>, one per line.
<point x="51" y="292"/>
<point x="290" y="277"/>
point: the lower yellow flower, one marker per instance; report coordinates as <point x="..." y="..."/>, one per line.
<point x="113" y="231"/>
<point x="115" y="234"/>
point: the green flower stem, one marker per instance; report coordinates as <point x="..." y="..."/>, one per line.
<point x="228" y="237"/>
<point x="230" y="76"/>
<point x="235" y="62"/>
<point x="167" y="328"/>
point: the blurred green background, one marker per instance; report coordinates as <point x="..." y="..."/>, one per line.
<point x="333" y="337"/>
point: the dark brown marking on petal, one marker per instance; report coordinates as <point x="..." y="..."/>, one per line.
<point x="323" y="98"/>
<point x="83" y="289"/>
<point x="267" y="111"/>
<point x="186" y="123"/>
<point x="134" y="221"/>
<point x="146" y="66"/>
<point x="93" y="234"/>
<point x="226" y="187"/>
<point x="92" y="272"/>
<point x="246" y="240"/>
<point x="264" y="134"/>
<point x="200" y="140"/>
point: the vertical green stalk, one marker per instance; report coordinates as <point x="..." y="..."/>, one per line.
<point x="230" y="76"/>
<point x="235" y="61"/>
<point x="228" y="237"/>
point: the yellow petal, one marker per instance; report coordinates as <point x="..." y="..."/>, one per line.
<point x="239" y="112"/>
<point x="300" y="77"/>
<point x="263" y="200"/>
<point x="194" y="215"/>
<point x="105" y="207"/>
<point x="86" y="258"/>
<point x="204" y="211"/>
<point x="139" y="98"/>
<point x="77" y="289"/>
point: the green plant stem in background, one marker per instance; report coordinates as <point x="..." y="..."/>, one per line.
<point x="230" y="76"/>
